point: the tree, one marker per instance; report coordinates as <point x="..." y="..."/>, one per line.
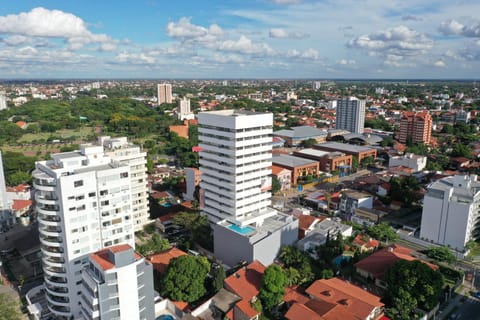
<point x="441" y="254"/>
<point x="273" y="286"/>
<point x="309" y="143"/>
<point x="218" y="276"/>
<point x="154" y="245"/>
<point x="412" y="284"/>
<point x="9" y="308"/>
<point x="461" y="150"/>
<point x="275" y="184"/>
<point x="185" y="278"/>
<point x="382" y="232"/>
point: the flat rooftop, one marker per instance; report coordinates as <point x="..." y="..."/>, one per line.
<point x="291" y="161"/>
<point x="344" y="147"/>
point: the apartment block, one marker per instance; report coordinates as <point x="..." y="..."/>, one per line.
<point x="350" y="115"/>
<point x="415" y="127"/>
<point x="119" y="149"/>
<point x="450" y="211"/>
<point x="117" y="284"/>
<point x="84" y="203"/>
<point x="164" y="93"/>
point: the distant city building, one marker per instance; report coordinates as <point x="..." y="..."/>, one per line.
<point x="350" y="115"/>
<point x="296" y="135"/>
<point x="119" y="149"/>
<point x="462" y="116"/>
<point x="192" y="181"/>
<point x="84" y="203"/>
<point x="235" y="165"/>
<point x="183" y="109"/>
<point x="164" y="93"/>
<point x="329" y="161"/>
<point x="415" y="127"/>
<point x="117" y="284"/>
<point x="360" y="152"/>
<point x="3" y="102"/>
<point x="7" y="218"/>
<point x="450" y="211"/>
<point x="410" y="160"/>
<point x="291" y="96"/>
<point x="316" y="85"/>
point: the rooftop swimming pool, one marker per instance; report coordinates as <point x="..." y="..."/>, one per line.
<point x="165" y="317"/>
<point x="242" y="230"/>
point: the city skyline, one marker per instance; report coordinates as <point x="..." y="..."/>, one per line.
<point x="240" y="39"/>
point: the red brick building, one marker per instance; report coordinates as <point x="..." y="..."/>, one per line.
<point x="417" y="126"/>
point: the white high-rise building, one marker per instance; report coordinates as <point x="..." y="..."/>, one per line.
<point x="84" y="203"/>
<point x="118" y="284"/>
<point x="450" y="211"/>
<point x="183" y="109"/>
<point x="350" y="115"/>
<point x="7" y="218"/>
<point x="3" y="102"/>
<point x="164" y="93"/>
<point x="121" y="150"/>
<point x="235" y="165"/>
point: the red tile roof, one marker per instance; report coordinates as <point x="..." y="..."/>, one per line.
<point x="292" y="295"/>
<point x="277" y="170"/>
<point x="246" y="308"/>
<point x="368" y="243"/>
<point x="299" y="311"/>
<point x="306" y="221"/>
<point x="160" y="261"/>
<point x="246" y="282"/>
<point x="377" y="263"/>
<point x="21" y="204"/>
<point x="102" y="257"/>
<point x="351" y="298"/>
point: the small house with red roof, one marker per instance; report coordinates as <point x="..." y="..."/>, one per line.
<point x="333" y="299"/>
<point x="160" y="261"/>
<point x="376" y="265"/>
<point x="284" y="177"/>
<point x="364" y="243"/>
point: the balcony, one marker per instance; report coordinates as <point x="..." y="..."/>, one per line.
<point x="55" y="290"/>
<point x="54" y="270"/>
<point x="57" y="299"/>
<point x="56" y="279"/>
<point x="52" y="249"/>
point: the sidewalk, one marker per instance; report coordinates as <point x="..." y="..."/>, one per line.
<point x="461" y="293"/>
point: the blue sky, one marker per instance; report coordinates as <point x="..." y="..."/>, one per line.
<point x="240" y="39"/>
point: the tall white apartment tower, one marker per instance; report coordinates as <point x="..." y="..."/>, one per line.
<point x="183" y="109"/>
<point x="7" y="218"/>
<point x="84" y="203"/>
<point x="235" y="165"/>
<point x="350" y="115"/>
<point x="119" y="149"/>
<point x="3" y="101"/>
<point x="164" y="91"/>
<point x="450" y="211"/>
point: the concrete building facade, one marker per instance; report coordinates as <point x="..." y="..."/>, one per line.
<point x="164" y="93"/>
<point x="450" y="211"/>
<point x="119" y="149"/>
<point x="410" y="160"/>
<point x="183" y="109"/>
<point x="84" y="203"/>
<point x="350" y="115"/>
<point x="117" y="284"/>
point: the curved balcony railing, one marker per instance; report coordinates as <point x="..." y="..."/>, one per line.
<point x="50" y="249"/>
<point x="55" y="289"/>
<point x="49" y="218"/>
<point x="60" y="310"/>
<point x="54" y="270"/>
<point x="55" y="279"/>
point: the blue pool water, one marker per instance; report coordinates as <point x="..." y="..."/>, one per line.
<point x="338" y="260"/>
<point x="241" y="230"/>
<point x="165" y="317"/>
<point x="166" y="204"/>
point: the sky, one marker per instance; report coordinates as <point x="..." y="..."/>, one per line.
<point x="225" y="39"/>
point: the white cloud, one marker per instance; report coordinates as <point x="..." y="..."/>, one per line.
<point x="16" y="40"/>
<point x="453" y="27"/>
<point x="411" y="17"/>
<point x="309" y="54"/>
<point x="440" y="64"/>
<point x="398" y="41"/>
<point x="134" y="58"/>
<point x="282" y="33"/>
<point x="184" y="29"/>
<point x="346" y="62"/>
<point x="245" y="45"/>
<point x="41" y="22"/>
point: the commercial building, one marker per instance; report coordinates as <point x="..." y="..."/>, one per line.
<point x="235" y="164"/>
<point x="360" y="152"/>
<point x="84" y="203"/>
<point x="117" y="284"/>
<point x="164" y="93"/>
<point x="119" y="149"/>
<point x="183" y="109"/>
<point x="350" y="114"/>
<point x="300" y="167"/>
<point x="415" y="162"/>
<point x="296" y="135"/>
<point x="450" y="211"/>
<point x="329" y="161"/>
<point x="415" y="127"/>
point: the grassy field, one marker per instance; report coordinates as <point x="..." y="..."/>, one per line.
<point x="79" y="134"/>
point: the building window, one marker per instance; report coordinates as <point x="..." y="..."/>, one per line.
<point x="103" y="192"/>
<point x="80" y="197"/>
<point x="124" y="175"/>
<point x="91" y="194"/>
<point x="78" y="183"/>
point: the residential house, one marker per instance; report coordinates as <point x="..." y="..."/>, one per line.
<point x="300" y="167"/>
<point x="322" y="231"/>
<point x="351" y="200"/>
<point x="284" y="177"/>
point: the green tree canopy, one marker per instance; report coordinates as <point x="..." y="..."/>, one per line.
<point x="441" y="254"/>
<point x="383" y="232"/>
<point x="218" y="276"/>
<point x="185" y="278"/>
<point x="273" y="286"/>
<point x="412" y="284"/>
<point x="154" y="245"/>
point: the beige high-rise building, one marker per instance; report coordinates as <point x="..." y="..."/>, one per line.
<point x="164" y="93"/>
